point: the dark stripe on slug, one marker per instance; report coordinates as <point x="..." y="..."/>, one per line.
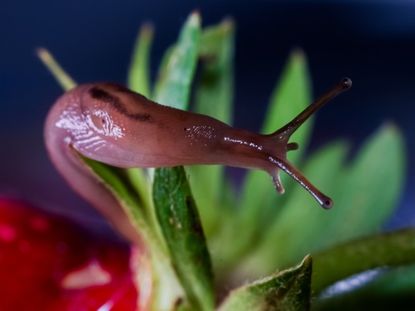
<point x="100" y="94"/>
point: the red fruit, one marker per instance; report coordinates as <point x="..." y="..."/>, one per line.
<point x="48" y="263"/>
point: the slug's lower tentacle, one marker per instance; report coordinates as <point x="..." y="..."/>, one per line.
<point x="284" y="165"/>
<point x="277" y="181"/>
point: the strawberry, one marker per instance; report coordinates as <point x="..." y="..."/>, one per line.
<point x="49" y="263"/>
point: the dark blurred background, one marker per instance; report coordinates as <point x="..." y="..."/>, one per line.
<point x="373" y="42"/>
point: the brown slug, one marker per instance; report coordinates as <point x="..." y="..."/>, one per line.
<point x="109" y="123"/>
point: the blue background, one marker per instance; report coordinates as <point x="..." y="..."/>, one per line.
<point x="373" y="42"/>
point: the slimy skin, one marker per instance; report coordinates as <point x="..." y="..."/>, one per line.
<point x="111" y="124"/>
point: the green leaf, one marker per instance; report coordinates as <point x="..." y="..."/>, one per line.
<point x="173" y="85"/>
<point x="360" y="207"/>
<point x="139" y="81"/>
<point x="116" y="181"/>
<point x="138" y="75"/>
<point x="287" y="290"/>
<point x="370" y="190"/>
<point x="213" y="97"/>
<point x="214" y="92"/>
<point x="64" y="80"/>
<point x="299" y="227"/>
<point x="179" y="221"/>
<point x="140" y="182"/>
<point x="339" y="262"/>
<point x="259" y="197"/>
<point x="392" y="290"/>
<point x="165" y="287"/>
<point x="291" y="96"/>
<point x="175" y="209"/>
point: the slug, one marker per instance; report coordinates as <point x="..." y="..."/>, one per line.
<point x="111" y="124"/>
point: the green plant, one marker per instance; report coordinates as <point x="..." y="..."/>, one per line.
<point x="254" y="234"/>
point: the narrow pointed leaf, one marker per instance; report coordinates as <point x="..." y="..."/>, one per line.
<point x="179" y="221"/>
<point x="291" y="96"/>
<point x="64" y="80"/>
<point x="139" y="72"/>
<point x="370" y="190"/>
<point x="139" y="81"/>
<point x="360" y="208"/>
<point x="214" y="92"/>
<point x="299" y="228"/>
<point x="173" y="86"/>
<point x="339" y="262"/>
<point x="173" y="202"/>
<point x="116" y="180"/>
<point x="213" y="97"/>
<point x="165" y="287"/>
<point x="288" y="290"/>
<point x="141" y="184"/>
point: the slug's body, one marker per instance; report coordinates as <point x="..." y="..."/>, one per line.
<point x="109" y="123"/>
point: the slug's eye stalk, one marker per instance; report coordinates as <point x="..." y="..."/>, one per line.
<point x="284" y="134"/>
<point x="287" y="130"/>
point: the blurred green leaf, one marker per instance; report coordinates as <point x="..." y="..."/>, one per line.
<point x="139" y="81"/>
<point x="141" y="184"/>
<point x="183" y="233"/>
<point x="164" y="287"/>
<point x="393" y="289"/>
<point x="360" y="207"/>
<point x="299" y="228"/>
<point x="173" y="85"/>
<point x="214" y="91"/>
<point x="339" y="262"/>
<point x="138" y="74"/>
<point x="117" y="182"/>
<point x="213" y="97"/>
<point x="176" y="212"/>
<point x="287" y="290"/>
<point x="290" y="97"/>
<point x="64" y="80"/>
<point x="369" y="192"/>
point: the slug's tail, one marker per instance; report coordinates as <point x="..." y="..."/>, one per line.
<point x="284" y="134"/>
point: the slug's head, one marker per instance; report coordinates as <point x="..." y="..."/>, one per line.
<point x="108" y="102"/>
<point x="282" y="136"/>
<point x="109" y="111"/>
